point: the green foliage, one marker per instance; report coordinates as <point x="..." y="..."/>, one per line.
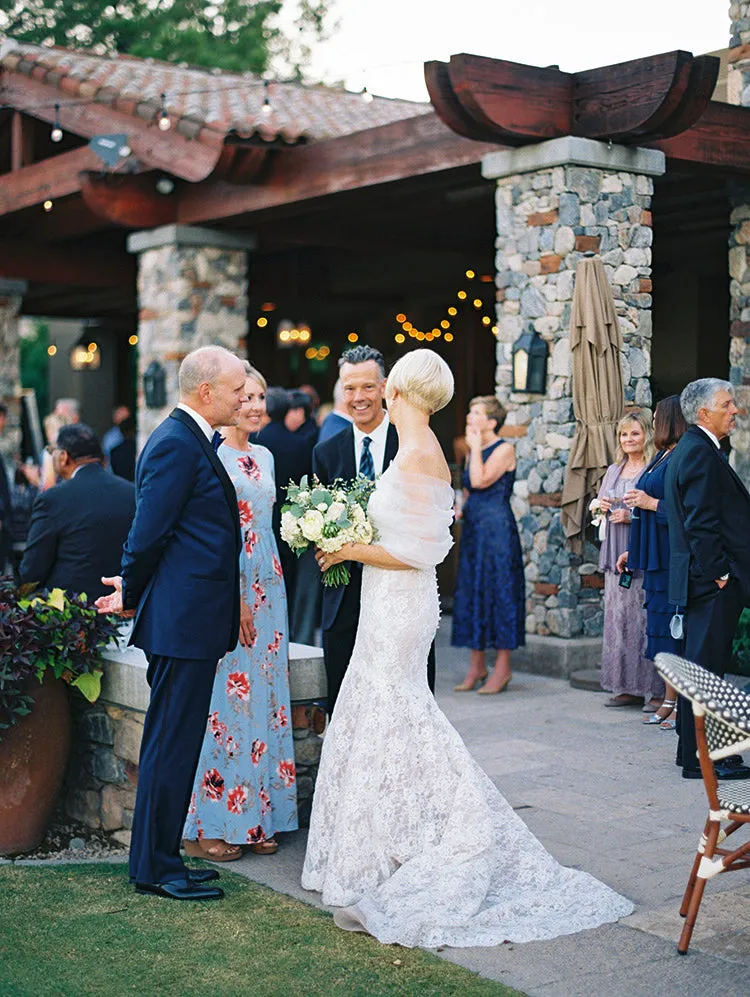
<point x="81" y="931"/>
<point x="741" y="646"/>
<point x="237" y="35"/>
<point x="35" y="363"/>
<point x="41" y="632"/>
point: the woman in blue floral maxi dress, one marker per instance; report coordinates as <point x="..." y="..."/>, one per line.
<point x="245" y="785"/>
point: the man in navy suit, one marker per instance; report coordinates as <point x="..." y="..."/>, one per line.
<point x="78" y="527"/>
<point x="367" y="446"/>
<point x="180" y="580"/>
<point x="708" y="510"/>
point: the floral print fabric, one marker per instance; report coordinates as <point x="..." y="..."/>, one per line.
<point x="245" y="786"/>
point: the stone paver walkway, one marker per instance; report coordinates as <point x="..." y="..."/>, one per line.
<point x="602" y="793"/>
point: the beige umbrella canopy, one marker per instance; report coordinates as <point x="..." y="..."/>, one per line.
<point x="598" y="395"/>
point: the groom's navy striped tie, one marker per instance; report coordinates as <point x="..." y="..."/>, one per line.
<point x="216" y="440"/>
<point x="366" y="464"/>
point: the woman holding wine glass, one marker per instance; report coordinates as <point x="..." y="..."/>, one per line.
<point x="626" y="673"/>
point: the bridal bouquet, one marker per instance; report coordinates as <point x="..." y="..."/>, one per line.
<point x="598" y="517"/>
<point x="327" y="517"/>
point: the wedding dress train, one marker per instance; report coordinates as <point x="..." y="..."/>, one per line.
<point x="407" y="833"/>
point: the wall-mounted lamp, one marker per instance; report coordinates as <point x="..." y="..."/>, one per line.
<point x="530" y="364"/>
<point x="155" y="385"/>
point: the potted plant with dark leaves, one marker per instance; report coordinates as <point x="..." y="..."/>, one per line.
<point x="48" y="641"/>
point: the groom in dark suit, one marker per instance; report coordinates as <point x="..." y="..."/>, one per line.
<point x="366" y="447"/>
<point x="709" y="537"/>
<point x="180" y="580"/>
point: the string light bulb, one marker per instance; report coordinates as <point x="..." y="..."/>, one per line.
<point x="486" y="320"/>
<point x="367" y="97"/>
<point x="353" y="337"/>
<point x="448" y="337"/>
<point x="164" y="123"/>
<point x="400" y="317"/>
<point x="124" y="151"/>
<point x="133" y="340"/>
<point x="400" y="337"/>
<point x="461" y="295"/>
<point x="48" y="206"/>
<point x="452" y="311"/>
<point x="470" y="274"/>
<point x="51" y="350"/>
<point x="477" y="302"/>
<point x="57" y="133"/>
<point x="262" y="322"/>
<point x="266" y="109"/>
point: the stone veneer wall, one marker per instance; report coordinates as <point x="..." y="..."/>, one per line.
<point x="192" y="291"/>
<point x="547" y="218"/>
<point x="11" y="296"/>
<point x="738" y="92"/>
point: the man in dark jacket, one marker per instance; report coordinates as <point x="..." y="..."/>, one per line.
<point x="709" y="539"/>
<point x="79" y="526"/>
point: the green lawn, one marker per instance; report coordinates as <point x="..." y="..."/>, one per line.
<point x="81" y="931"/>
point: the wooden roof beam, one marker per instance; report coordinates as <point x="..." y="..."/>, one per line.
<point x="170" y="151"/>
<point x="631" y="102"/>
<point x="415" y="147"/>
<point x="719" y="141"/>
<point x="60" y="265"/>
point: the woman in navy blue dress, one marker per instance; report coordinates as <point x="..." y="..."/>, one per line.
<point x="488" y="607"/>
<point x="648" y="545"/>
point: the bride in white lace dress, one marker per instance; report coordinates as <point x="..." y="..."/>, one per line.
<point x="408" y="836"/>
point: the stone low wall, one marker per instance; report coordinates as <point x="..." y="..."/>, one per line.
<point x="103" y="774"/>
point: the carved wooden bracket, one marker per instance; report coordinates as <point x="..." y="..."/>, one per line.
<point x="513" y="104"/>
<point x="127" y="199"/>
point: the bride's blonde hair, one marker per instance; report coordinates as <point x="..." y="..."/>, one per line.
<point x="423" y="379"/>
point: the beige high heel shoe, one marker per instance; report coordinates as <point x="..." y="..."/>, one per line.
<point x="470" y="686"/>
<point x="484" y="691"/>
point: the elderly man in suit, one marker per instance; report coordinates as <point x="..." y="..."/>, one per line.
<point x="709" y="536"/>
<point x="366" y="446"/>
<point x="79" y="526"/>
<point x="180" y="579"/>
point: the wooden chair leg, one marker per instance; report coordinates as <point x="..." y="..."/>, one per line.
<point x="693" y="873"/>
<point x="697" y="890"/>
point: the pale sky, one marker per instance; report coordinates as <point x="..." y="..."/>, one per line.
<point x="382" y="44"/>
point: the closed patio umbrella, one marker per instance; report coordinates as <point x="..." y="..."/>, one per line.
<point x="598" y="395"/>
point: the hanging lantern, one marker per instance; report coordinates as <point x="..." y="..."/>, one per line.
<point x="530" y="364"/>
<point x="155" y="385"/>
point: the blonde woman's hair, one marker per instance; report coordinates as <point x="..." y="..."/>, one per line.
<point x="492" y="409"/>
<point x="256" y="375"/>
<point x="643" y="418"/>
<point x="423" y="379"/>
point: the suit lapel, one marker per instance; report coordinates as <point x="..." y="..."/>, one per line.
<point x="226" y="482"/>
<point x="348" y="463"/>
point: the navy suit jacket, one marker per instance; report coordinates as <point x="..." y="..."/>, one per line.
<point x="180" y="566"/>
<point x="334" y="458"/>
<point x="708" y="508"/>
<point x="77" y="532"/>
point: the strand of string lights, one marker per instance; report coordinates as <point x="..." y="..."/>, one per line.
<point x="443" y="327"/>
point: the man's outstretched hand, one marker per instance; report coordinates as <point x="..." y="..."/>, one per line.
<point x="113" y="603"/>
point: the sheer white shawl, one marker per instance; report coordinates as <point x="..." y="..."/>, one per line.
<point x="412" y="514"/>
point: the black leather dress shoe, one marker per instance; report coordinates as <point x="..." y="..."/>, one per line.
<point x="202" y="875"/>
<point x="724" y="771"/>
<point x="181" y="891"/>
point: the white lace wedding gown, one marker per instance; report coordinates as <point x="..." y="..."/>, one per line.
<point x="407" y="832"/>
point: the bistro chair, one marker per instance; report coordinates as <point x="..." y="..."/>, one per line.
<point x="722" y="728"/>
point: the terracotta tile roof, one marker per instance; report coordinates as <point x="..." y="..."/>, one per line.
<point x="223" y="102"/>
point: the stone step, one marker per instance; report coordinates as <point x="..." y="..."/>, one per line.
<point x="588" y="679"/>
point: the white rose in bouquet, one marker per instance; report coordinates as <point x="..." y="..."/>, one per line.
<point x="312" y="524"/>
<point x="335" y="511"/>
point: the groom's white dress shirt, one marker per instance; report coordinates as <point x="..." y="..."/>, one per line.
<point x="377" y="446"/>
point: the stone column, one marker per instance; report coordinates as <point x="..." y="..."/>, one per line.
<point x="555" y="202"/>
<point x="738" y="92"/>
<point x="192" y="291"/>
<point x="11" y="296"/>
